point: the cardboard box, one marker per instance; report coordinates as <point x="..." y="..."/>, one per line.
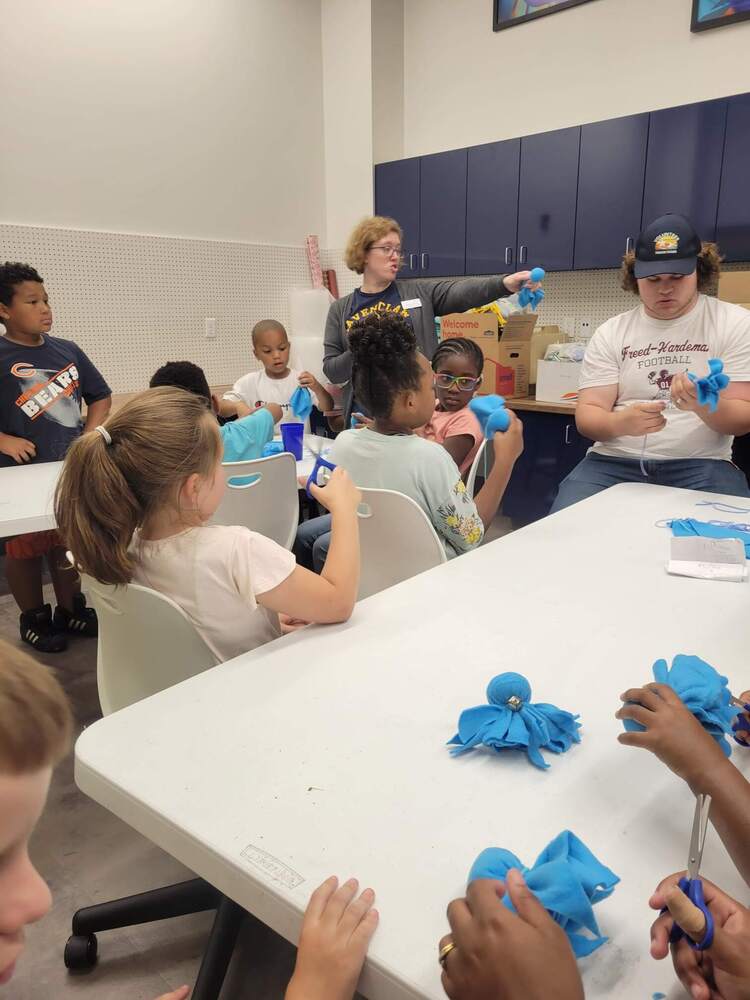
<point x="542" y="338"/>
<point x="557" y="381"/>
<point x="734" y="286"/>
<point x="507" y="351"/>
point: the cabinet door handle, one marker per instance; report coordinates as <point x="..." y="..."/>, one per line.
<point x="522" y="254"/>
<point x="412" y="262"/>
<point x="425" y="262"/>
<point x="567" y="434"/>
<point x="628" y="244"/>
<point x="509" y="256"/>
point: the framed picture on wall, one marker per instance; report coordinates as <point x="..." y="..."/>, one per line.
<point x="716" y="13"/>
<point x="509" y="13"/>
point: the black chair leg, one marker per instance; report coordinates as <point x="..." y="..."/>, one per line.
<point x="219" y="950"/>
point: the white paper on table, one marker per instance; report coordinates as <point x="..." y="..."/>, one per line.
<point x="708" y="558"/>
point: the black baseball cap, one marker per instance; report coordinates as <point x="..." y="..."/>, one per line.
<point x="669" y="245"/>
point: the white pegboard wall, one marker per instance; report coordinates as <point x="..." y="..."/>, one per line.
<point x="582" y="295"/>
<point x="133" y="302"/>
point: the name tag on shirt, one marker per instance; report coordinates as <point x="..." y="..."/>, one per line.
<point x="412" y="303"/>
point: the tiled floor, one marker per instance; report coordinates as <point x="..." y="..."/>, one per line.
<point x="89" y="856"/>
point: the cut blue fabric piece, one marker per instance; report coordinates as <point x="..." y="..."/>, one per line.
<point x="272" y="448"/>
<point x="491" y="413"/>
<point x="301" y="402"/>
<point x="510" y="722"/>
<point x="567" y="880"/>
<point x="689" y="526"/>
<point x="704" y="692"/>
<point x="709" y="386"/>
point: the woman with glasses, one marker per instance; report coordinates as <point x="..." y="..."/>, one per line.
<point x="458" y="364"/>
<point x="374" y="251"/>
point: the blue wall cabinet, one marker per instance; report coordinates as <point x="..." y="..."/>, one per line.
<point x="443" y="213"/>
<point x="397" y="195"/>
<point x="547" y="199"/>
<point x="683" y="164"/>
<point x="733" y="223"/>
<point x="492" y="207"/>
<point x="610" y="190"/>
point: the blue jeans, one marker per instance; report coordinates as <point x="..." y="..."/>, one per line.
<point x="312" y="542"/>
<point x="598" y="472"/>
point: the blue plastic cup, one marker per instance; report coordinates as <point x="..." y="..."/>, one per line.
<point x="292" y="435"/>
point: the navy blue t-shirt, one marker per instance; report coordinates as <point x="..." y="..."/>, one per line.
<point x="41" y="389"/>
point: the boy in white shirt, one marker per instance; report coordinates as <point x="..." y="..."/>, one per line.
<point x="635" y="398"/>
<point x="277" y="382"/>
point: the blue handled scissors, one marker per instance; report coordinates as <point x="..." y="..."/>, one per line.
<point x="321" y="472"/>
<point x="692" y="884"/>
<point x="740" y="724"/>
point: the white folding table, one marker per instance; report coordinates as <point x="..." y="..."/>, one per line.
<point x="325" y="752"/>
<point x="26" y="495"/>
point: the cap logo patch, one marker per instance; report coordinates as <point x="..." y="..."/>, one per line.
<point x="666" y="243"/>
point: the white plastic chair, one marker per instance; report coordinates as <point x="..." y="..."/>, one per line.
<point x="482" y="464"/>
<point x="269" y="504"/>
<point x="396" y="539"/>
<point x="146" y="643"/>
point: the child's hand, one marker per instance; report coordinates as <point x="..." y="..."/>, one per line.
<point x="722" y="972"/>
<point x="308" y="381"/>
<point x="289" y="624"/>
<point x="742" y="735"/>
<point x="19" y="449"/>
<point x="339" y="495"/>
<point x="336" y="931"/>
<point x="359" y="420"/>
<point x="672" y="732"/>
<point x="179" y="994"/>
<point x="500" y="955"/>
<point x="508" y="444"/>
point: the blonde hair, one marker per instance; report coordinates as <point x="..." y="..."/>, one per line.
<point x="362" y="237"/>
<point x="36" y="724"/>
<point x="708" y="269"/>
<point x="107" y="490"/>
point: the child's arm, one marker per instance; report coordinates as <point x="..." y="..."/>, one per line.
<point x="331" y="596"/>
<point x="231" y="407"/>
<point x="323" y="396"/>
<point x="458" y="447"/>
<point x="508" y="445"/>
<point x="19" y="449"/>
<point x="500" y="954"/>
<point x="677" y="738"/>
<point x="727" y="974"/>
<point x="336" y="931"/>
<point x="96" y="413"/>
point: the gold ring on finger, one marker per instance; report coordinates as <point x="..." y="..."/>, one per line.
<point x="445" y="952"/>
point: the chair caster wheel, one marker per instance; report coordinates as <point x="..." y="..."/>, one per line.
<point x="80" y="951"/>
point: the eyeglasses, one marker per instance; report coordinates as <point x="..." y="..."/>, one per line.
<point x="387" y="250"/>
<point x="462" y="382"/>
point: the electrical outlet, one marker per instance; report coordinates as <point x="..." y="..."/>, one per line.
<point x="586" y="329"/>
<point x="209" y="325"/>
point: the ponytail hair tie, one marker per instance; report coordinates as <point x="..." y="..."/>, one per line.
<point x="104" y="433"/>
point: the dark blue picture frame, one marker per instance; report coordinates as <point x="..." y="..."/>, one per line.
<point x="500" y="22"/>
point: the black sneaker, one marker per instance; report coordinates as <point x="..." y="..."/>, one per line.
<point x="80" y="621"/>
<point x="38" y="630"/>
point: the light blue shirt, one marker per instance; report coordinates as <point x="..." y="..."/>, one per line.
<point x="245" y="438"/>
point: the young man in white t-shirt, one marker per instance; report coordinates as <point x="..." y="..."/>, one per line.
<point x="276" y="383"/>
<point x="635" y="398"/>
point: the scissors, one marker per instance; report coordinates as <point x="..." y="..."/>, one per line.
<point x="321" y="472"/>
<point x="740" y="724"/>
<point x="692" y="884"/>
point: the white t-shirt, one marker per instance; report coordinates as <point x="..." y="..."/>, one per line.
<point x="642" y="355"/>
<point x="424" y="471"/>
<point x="215" y="573"/>
<point x="256" y="389"/>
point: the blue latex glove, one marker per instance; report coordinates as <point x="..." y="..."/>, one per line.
<point x="510" y="722"/>
<point x="682" y="527"/>
<point x="491" y="413"/>
<point x="301" y="402"/>
<point x="567" y="880"/>
<point x="704" y="692"/>
<point x="709" y="386"/>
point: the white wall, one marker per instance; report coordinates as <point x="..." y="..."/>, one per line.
<point x="181" y="117"/>
<point x="465" y="84"/>
<point x="347" y="101"/>
<point x="387" y="80"/>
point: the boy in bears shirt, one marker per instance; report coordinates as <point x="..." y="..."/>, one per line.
<point x="43" y="381"/>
